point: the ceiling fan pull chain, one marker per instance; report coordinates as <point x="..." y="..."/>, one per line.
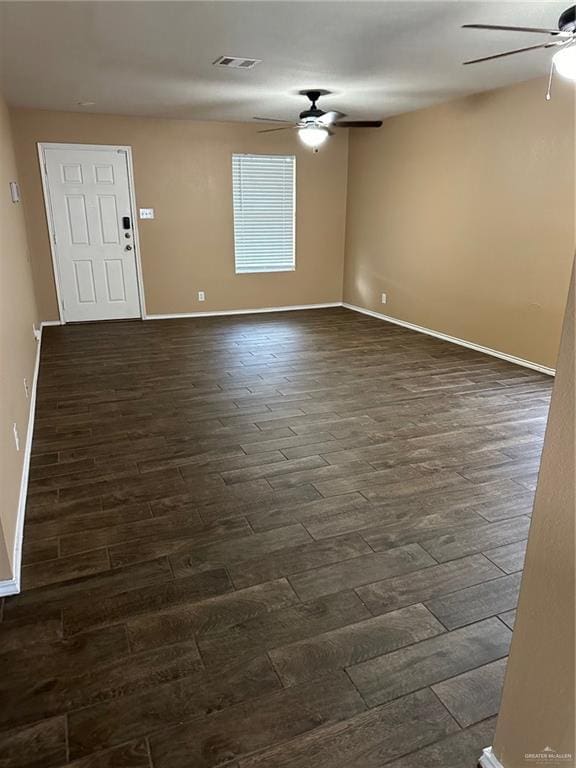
<point x="550" y="79"/>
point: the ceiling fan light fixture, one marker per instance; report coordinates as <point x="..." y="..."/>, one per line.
<point x="313" y="135"/>
<point x="565" y="62"/>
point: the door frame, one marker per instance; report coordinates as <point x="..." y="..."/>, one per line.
<point x="126" y="150"/>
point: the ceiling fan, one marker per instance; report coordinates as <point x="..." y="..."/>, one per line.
<point x="314" y="125"/>
<point x="564" y="38"/>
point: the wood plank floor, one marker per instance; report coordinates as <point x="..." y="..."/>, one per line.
<point x="282" y="540"/>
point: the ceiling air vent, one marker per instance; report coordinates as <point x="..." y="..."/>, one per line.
<point x="236" y="62"/>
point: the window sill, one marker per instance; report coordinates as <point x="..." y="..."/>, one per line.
<point x="265" y="271"/>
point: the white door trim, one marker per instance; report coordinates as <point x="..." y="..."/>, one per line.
<point x="42" y="146"/>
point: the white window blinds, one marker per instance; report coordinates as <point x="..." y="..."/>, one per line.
<point x="264" y="212"/>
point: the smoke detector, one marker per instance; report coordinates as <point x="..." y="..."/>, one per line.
<point x="236" y="62"/>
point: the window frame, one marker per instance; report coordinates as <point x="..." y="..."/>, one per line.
<point x="266" y="271"/>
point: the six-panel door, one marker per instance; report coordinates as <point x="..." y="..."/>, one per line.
<point x="89" y="198"/>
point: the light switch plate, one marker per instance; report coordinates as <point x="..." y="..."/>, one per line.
<point x="14" y="191"/>
<point x="146" y="213"/>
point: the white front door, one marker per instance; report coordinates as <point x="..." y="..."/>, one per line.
<point x="92" y="225"/>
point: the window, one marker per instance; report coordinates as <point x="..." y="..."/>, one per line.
<point x="264" y="212"/>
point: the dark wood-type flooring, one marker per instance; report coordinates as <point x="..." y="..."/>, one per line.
<point x="272" y="541"/>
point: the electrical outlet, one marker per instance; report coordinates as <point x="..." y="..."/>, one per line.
<point x="16" y="436"/>
<point x="384" y="298"/>
<point x="201" y="296"/>
<point x="26" y="389"/>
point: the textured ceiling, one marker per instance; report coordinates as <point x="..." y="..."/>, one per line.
<point x="155" y="58"/>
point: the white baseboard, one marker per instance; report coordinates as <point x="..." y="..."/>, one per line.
<point x="12" y="586"/>
<point x="489" y="759"/>
<point x="379" y="315"/>
<point x="222" y="313"/>
<point x="454" y="340"/>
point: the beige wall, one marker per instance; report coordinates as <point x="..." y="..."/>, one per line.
<point x="538" y="708"/>
<point x="464" y="215"/>
<point x="17" y="344"/>
<point x="183" y="170"/>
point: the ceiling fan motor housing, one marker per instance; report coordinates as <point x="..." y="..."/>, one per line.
<point x="567" y="22"/>
<point x="309" y="115"/>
